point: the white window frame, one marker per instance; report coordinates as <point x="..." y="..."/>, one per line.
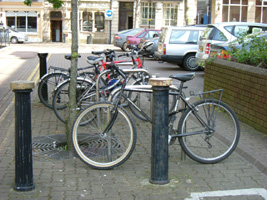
<point x="262" y="6"/>
<point x="171" y="19"/>
<point x="25" y="14"/>
<point x="240" y="10"/>
<point x="145" y="16"/>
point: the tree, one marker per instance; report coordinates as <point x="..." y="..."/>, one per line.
<point x="74" y="64"/>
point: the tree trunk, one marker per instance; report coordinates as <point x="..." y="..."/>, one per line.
<point x="137" y="9"/>
<point x="185" y="12"/>
<point x="73" y="73"/>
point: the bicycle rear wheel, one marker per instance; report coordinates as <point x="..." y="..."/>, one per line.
<point x="103" y="150"/>
<point x="209" y="147"/>
<point x="47" y="85"/>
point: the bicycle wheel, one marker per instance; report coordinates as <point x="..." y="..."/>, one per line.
<point x="47" y="85"/>
<point x="210" y="147"/>
<point x="143" y="101"/>
<point x="103" y="150"/>
<point x="85" y="96"/>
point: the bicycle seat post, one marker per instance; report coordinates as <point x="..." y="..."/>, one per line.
<point x="160" y="132"/>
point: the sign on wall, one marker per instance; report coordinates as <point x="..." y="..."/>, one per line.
<point x="108" y="15"/>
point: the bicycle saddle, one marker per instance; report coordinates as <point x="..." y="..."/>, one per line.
<point x="68" y="56"/>
<point x="93" y="60"/>
<point x="183" y="77"/>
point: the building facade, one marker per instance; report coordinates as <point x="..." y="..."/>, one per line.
<point x="42" y="23"/>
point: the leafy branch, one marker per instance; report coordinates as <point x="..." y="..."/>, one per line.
<point x="56" y="3"/>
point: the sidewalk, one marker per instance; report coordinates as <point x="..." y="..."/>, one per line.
<point x="56" y="176"/>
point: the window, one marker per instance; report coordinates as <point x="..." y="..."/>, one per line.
<point x="87" y="21"/>
<point x="240" y="30"/>
<point x="22" y="21"/>
<point x="99" y="21"/>
<point x="148" y="12"/>
<point x="207" y="32"/>
<point x="170" y="14"/>
<point x="235" y="10"/>
<point x="261" y="11"/>
<point x="218" y="35"/>
<point x="148" y="34"/>
<point x="184" y="37"/>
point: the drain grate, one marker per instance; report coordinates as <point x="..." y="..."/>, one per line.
<point x="42" y="147"/>
<point x="50" y="147"/>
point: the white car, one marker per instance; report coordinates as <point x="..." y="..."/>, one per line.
<point x="13" y="35"/>
<point x="179" y="45"/>
<point x="224" y="32"/>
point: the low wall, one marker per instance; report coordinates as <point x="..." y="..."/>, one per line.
<point x="245" y="90"/>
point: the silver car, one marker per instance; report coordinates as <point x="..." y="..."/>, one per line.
<point x="179" y="45"/>
<point x="120" y="37"/>
<point x="224" y="33"/>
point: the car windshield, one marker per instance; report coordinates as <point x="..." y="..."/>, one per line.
<point x="135" y="32"/>
<point x="12" y="29"/>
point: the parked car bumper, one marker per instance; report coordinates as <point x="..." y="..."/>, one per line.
<point x="118" y="43"/>
<point x="169" y="58"/>
<point x="201" y="57"/>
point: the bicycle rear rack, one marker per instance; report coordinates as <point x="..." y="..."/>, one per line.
<point x="211" y="95"/>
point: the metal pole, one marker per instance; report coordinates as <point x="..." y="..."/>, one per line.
<point x="23" y="135"/>
<point x="43" y="71"/>
<point x="159" y="146"/>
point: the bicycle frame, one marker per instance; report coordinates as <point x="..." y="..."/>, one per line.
<point x="126" y="71"/>
<point x="148" y="89"/>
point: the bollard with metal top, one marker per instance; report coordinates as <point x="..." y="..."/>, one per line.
<point x="42" y="72"/>
<point x="159" y="146"/>
<point x="23" y="135"/>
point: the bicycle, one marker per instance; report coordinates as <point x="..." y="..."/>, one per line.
<point x="55" y="76"/>
<point x="86" y="90"/>
<point x="104" y="134"/>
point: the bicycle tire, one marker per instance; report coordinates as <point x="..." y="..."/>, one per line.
<point x="48" y="83"/>
<point x="61" y="98"/>
<point x="222" y="142"/>
<point x="143" y="101"/>
<point x="95" y="148"/>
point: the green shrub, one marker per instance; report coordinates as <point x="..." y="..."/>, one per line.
<point x="252" y="52"/>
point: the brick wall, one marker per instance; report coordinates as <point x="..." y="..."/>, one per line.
<point x="245" y="90"/>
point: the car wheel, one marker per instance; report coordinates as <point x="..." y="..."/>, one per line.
<point x="189" y="63"/>
<point x="124" y="47"/>
<point x="14" y="40"/>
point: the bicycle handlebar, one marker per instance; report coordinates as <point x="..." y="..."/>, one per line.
<point x="106" y="52"/>
<point x="112" y="66"/>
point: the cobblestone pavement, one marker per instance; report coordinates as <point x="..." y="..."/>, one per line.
<point x="241" y="176"/>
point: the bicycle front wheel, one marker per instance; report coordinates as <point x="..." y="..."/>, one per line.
<point x="84" y="95"/>
<point x="99" y="149"/>
<point x="213" y="145"/>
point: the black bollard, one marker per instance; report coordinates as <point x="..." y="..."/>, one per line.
<point x="159" y="146"/>
<point x="43" y="71"/>
<point x="23" y="135"/>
